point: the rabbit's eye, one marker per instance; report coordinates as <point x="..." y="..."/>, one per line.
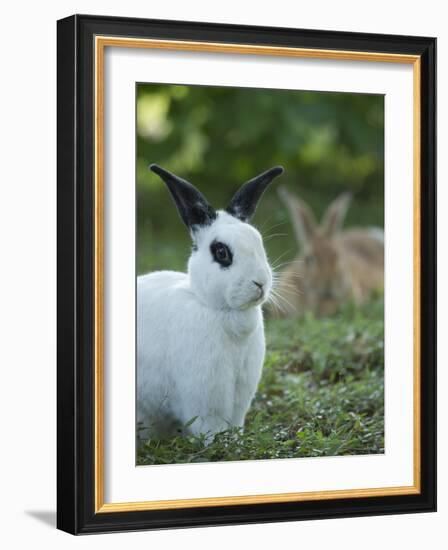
<point x="221" y="253"/>
<point x="309" y="260"/>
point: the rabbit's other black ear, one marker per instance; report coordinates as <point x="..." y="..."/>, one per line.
<point x="193" y="207"/>
<point x="245" y="200"/>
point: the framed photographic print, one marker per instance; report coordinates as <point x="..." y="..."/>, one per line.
<point x="246" y="274"/>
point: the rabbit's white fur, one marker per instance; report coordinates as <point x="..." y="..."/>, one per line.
<point x="201" y="341"/>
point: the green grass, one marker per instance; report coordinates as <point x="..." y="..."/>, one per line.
<point x="321" y="394"/>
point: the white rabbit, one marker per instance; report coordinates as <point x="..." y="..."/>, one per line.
<point x="200" y="334"/>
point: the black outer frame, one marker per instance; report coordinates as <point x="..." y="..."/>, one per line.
<point x="75" y="294"/>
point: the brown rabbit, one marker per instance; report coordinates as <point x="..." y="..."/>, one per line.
<point x="334" y="266"/>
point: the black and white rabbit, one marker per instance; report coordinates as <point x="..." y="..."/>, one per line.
<point x="200" y="334"/>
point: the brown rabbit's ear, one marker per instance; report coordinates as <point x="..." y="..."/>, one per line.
<point x="335" y="214"/>
<point x="302" y="217"/>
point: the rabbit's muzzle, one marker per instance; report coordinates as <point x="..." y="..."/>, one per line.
<point x="327" y="294"/>
<point x="249" y="293"/>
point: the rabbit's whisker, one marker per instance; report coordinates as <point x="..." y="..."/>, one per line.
<point x="289" y="287"/>
<point x="292" y="291"/>
<point x="263" y="225"/>
<point x="275" y="262"/>
<point x="271" y="299"/>
<point x="274" y="300"/>
<point x="286" y="305"/>
<point x="291" y="262"/>
<point x="269" y="237"/>
<point x="264" y="231"/>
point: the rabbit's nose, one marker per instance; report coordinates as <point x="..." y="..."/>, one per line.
<point x="327" y="294"/>
<point x="260" y="286"/>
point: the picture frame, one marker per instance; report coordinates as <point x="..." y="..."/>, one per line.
<point x="82" y="41"/>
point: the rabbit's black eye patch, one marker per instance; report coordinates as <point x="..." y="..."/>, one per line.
<point x="221" y="253"/>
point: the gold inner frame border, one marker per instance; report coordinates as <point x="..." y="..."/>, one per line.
<point x="101" y="42"/>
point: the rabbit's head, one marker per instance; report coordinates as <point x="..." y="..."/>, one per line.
<point x="228" y="267"/>
<point x="322" y="276"/>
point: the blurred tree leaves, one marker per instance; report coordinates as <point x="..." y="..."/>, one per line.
<point x="219" y="137"/>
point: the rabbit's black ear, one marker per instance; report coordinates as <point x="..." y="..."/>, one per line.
<point x="193" y="207"/>
<point x="245" y="200"/>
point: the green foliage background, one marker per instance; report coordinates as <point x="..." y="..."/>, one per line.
<point x="322" y="389"/>
<point x="218" y="138"/>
